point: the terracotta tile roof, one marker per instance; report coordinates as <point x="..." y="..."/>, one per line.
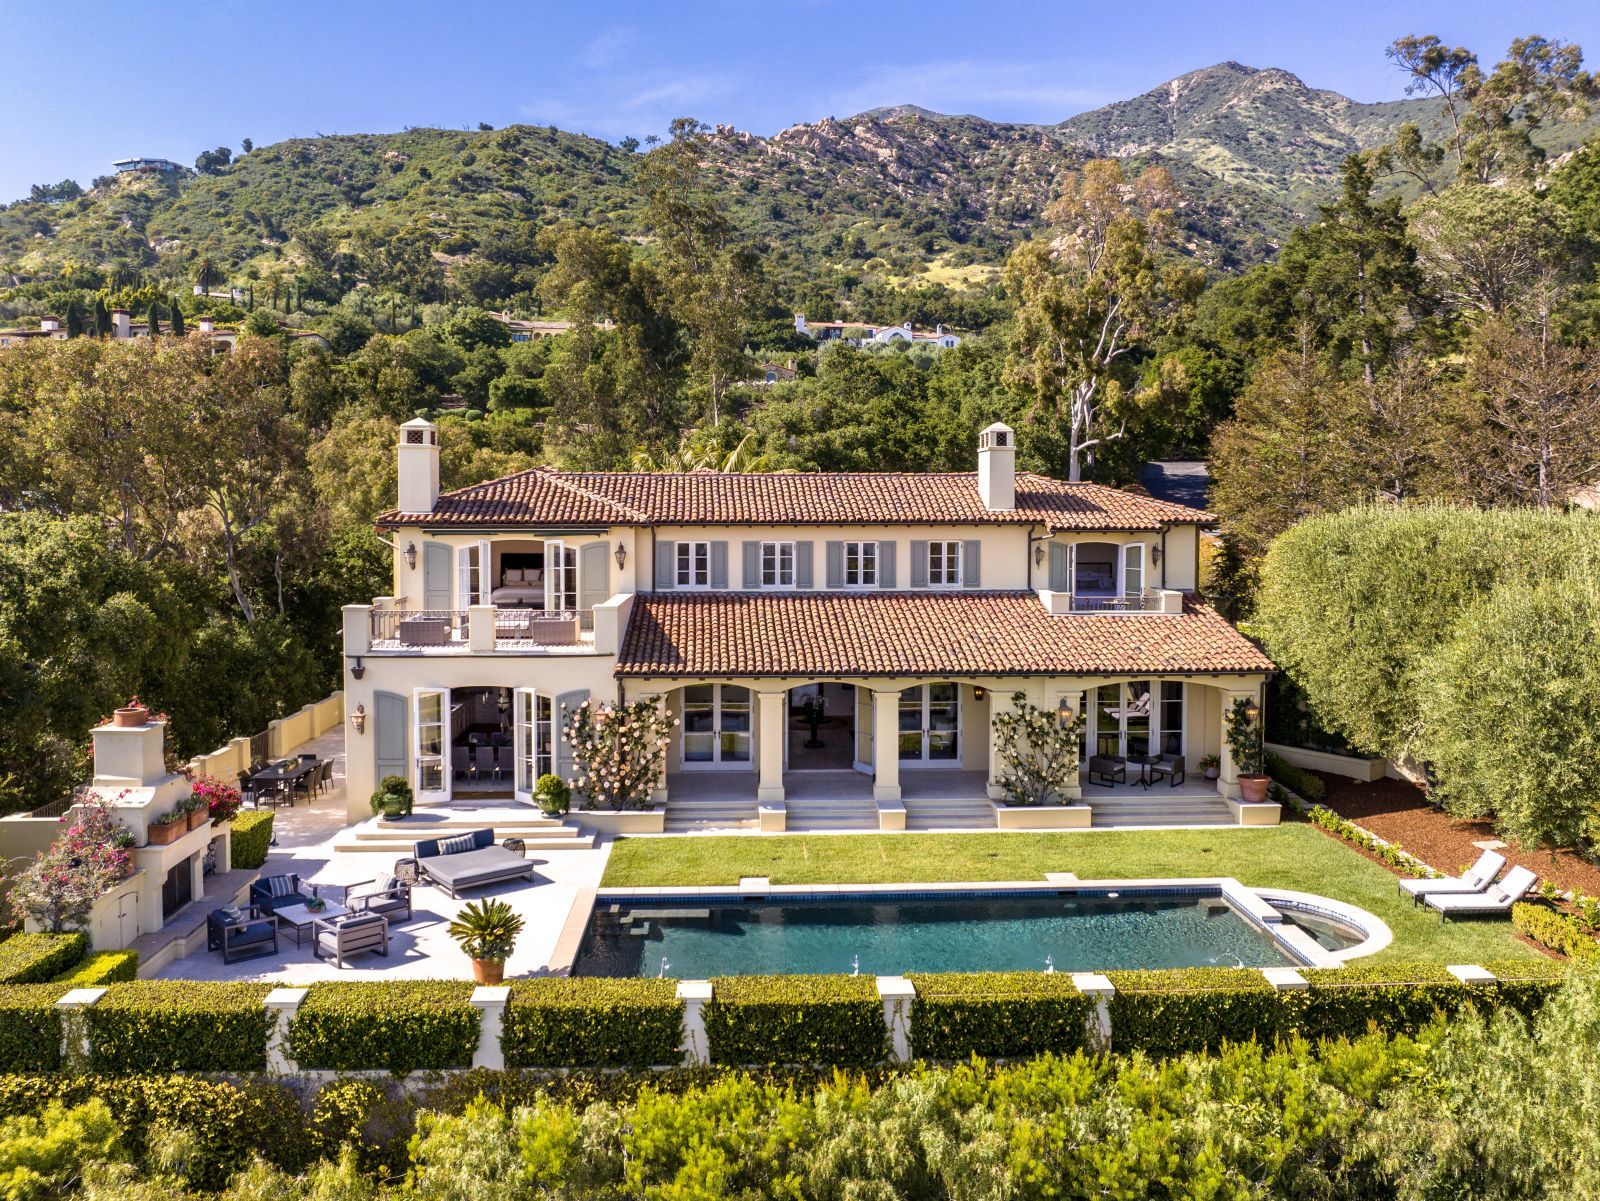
<point x="918" y="633"/>
<point x="546" y="497"/>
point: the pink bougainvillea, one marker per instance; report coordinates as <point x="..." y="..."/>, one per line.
<point x="220" y="798"/>
<point x="90" y="858"/>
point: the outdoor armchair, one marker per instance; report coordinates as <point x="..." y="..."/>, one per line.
<point x="390" y="897"/>
<point x="273" y="893"/>
<point x="242" y="933"/>
<point x="1475" y="879"/>
<point x="334" y="938"/>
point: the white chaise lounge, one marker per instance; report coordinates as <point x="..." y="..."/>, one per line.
<point x="1498" y="898"/>
<point x="1475" y="879"/>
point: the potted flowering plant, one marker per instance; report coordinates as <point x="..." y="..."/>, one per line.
<point x="169" y="827"/>
<point x="59" y="888"/>
<point x="487" y="932"/>
<point x="217" y="798"/>
<point x="134" y="713"/>
<point x="1210" y="766"/>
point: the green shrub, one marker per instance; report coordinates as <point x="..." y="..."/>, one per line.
<point x="1297" y="779"/>
<point x="590" y="1022"/>
<point x="37" y="958"/>
<point x="796" y="1019"/>
<point x="1526" y="984"/>
<point x="1192" y="1009"/>
<point x="1559" y="931"/>
<point x="101" y="968"/>
<point x="179" y="1026"/>
<point x="1001" y="1015"/>
<point x="252" y="836"/>
<point x="225" y="1125"/>
<point x="1389" y="852"/>
<point x="389" y="1025"/>
<point x="373" y="1121"/>
<point x="1396" y="998"/>
<point x="30" y="1027"/>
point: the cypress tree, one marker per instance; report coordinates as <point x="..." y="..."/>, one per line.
<point x="73" y="317"/>
<point x="176" y="318"/>
<point x="155" y="318"/>
<point x="102" y="318"/>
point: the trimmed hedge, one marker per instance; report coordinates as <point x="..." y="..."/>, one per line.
<point x="1191" y="1009"/>
<point x="1295" y="778"/>
<point x="252" y="836"/>
<point x="1559" y="931"/>
<point x="1000" y="1015"/>
<point x="796" y="1020"/>
<point x="101" y="968"/>
<point x="225" y="1125"/>
<point x="38" y="958"/>
<point x="179" y="1026"/>
<point x="389" y="1025"/>
<point x="30" y="1027"/>
<point x="592" y="1022"/>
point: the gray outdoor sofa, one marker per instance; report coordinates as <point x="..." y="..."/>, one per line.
<point x="469" y="860"/>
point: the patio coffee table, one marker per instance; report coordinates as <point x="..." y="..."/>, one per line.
<point x="299" y="919"/>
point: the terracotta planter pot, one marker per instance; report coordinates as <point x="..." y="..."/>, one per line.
<point x="488" y="971"/>
<point x="168" y="832"/>
<point x="198" y="818"/>
<point x="1253" y="789"/>
<point x="131" y="715"/>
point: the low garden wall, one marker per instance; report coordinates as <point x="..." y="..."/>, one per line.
<point x="572" y="1023"/>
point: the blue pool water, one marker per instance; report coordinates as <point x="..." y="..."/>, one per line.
<point x="698" y="937"/>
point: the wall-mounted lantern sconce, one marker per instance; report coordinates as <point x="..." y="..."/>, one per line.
<point x="1155" y="555"/>
<point x="621" y="555"/>
<point x="357" y="670"/>
<point x="1065" y="713"/>
<point x="1251" y="712"/>
<point x="358" y="719"/>
<point x="978" y="693"/>
<point x="1038" y="554"/>
<point x="411" y="556"/>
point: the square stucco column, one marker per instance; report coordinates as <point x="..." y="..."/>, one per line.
<point x="886" y="744"/>
<point x="1228" y="775"/>
<point x="771" y="710"/>
<point x="658" y="794"/>
<point x="998" y="705"/>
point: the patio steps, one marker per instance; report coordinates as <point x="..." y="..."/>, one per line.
<point x="965" y="813"/>
<point x="538" y="832"/>
<point x="1155" y="811"/>
<point x="821" y="814"/>
<point x="716" y="813"/>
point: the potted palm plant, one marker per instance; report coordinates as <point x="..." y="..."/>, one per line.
<point x="487" y="932"/>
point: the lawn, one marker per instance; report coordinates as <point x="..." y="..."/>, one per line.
<point x="1289" y="856"/>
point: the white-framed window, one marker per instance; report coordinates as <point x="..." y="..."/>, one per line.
<point x="860" y="564"/>
<point x="716" y="725"/>
<point x="693" y="567"/>
<point x="944" y="564"/>
<point x="777" y="564"/>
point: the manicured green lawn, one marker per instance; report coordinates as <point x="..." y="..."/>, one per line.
<point x="1289" y="856"/>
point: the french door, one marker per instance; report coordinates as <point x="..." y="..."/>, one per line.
<point x="930" y="725"/>
<point x="531" y="739"/>
<point x="430" y="732"/>
<point x="1138" y="718"/>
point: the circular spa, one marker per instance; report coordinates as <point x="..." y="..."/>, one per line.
<point x="890" y="930"/>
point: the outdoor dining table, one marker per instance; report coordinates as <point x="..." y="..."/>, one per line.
<point x="279" y="775"/>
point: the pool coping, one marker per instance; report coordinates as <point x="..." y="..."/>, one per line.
<point x="1250" y="904"/>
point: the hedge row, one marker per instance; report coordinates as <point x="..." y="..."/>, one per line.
<point x="1389" y="852"/>
<point x="102" y="968"/>
<point x="1000" y="1015"/>
<point x="179" y="1026"/>
<point x="1197" y="1009"/>
<point x="796" y="1020"/>
<point x="1559" y="931"/>
<point x="37" y="958"/>
<point x="1307" y="784"/>
<point x="392" y="1025"/>
<point x="252" y="835"/>
<point x="592" y="1022"/>
<point x="30" y="1027"/>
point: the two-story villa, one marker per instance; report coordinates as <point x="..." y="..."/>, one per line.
<point x="867" y="625"/>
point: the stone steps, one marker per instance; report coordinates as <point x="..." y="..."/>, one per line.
<point x="953" y="814"/>
<point x="1158" y="811"/>
<point x="818" y="816"/>
<point x="733" y="813"/>
<point x="400" y="837"/>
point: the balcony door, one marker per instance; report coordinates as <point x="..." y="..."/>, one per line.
<point x="560" y="577"/>
<point x="531" y="738"/>
<point x="930" y="726"/>
<point x="430" y="733"/>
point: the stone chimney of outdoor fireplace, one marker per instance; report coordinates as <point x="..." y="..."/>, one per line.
<point x="997" y="468"/>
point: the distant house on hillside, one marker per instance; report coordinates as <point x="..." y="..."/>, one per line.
<point x="524" y="330"/>
<point x="49" y="328"/>
<point x="122" y="326"/>
<point x="767" y="374"/>
<point x="859" y="332"/>
<point x="162" y="165"/>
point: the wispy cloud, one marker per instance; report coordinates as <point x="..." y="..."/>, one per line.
<point x="1032" y="91"/>
<point x="608" y="48"/>
<point x="648" y="108"/>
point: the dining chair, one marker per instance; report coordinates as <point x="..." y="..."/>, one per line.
<point x="302" y="785"/>
<point x="325" y="775"/>
<point x="461" y="760"/>
<point x="483" y="756"/>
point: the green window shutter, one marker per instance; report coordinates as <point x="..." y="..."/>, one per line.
<point x="919" y="564"/>
<point x="751" y="553"/>
<point x="565" y="704"/>
<point x="971" y="566"/>
<point x="1058" y="568"/>
<point x="835" y="557"/>
<point x="389" y="735"/>
<point x="719" y="564"/>
<point x="666" y="565"/>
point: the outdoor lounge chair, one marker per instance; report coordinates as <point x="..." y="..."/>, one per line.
<point x="242" y="933"/>
<point x="1112" y="769"/>
<point x="273" y="893"/>
<point x="349" y="935"/>
<point x="1475" y="879"/>
<point x="1170" y="766"/>
<point x="470" y="860"/>
<point x="1498" y="898"/>
<point x="391" y="897"/>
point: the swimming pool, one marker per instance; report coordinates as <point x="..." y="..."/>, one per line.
<point x="701" y="935"/>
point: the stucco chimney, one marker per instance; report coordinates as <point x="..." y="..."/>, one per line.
<point x="419" y="466"/>
<point x="208" y="323"/>
<point x="997" y="468"/>
<point x="119" y="324"/>
<point x="49" y="324"/>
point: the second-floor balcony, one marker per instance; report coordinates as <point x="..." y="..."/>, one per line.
<point x="1150" y="600"/>
<point x="391" y="626"/>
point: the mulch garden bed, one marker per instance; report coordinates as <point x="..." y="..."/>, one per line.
<point x="1397" y="812"/>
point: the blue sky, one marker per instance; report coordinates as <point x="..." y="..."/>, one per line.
<point x="84" y="82"/>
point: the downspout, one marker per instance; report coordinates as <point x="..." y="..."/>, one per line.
<point x="1164" y="558"/>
